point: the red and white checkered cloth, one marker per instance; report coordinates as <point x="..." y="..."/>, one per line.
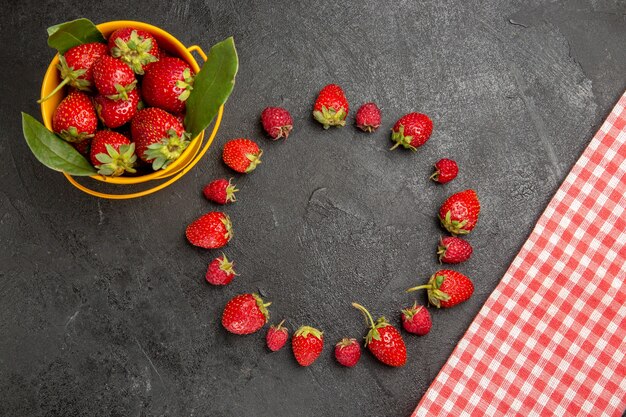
<point x="551" y="338"/>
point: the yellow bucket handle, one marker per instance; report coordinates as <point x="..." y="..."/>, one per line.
<point x="177" y="174"/>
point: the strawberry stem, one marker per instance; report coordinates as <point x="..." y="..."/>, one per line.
<point x="420" y="287"/>
<point x="368" y="316"/>
<point x="56" y="90"/>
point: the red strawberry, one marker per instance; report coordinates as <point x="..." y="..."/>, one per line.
<point x="75" y="119"/>
<point x="113" y="78"/>
<point x="277" y="122"/>
<point x="454" y="250"/>
<point x="383" y="340"/>
<point x="459" y="213"/>
<point x="411" y="131"/>
<point x="220" y="191"/>
<point x="159" y="137"/>
<point x="211" y="231"/>
<point x="135" y="47"/>
<point x="245" y="314"/>
<point x="416" y="320"/>
<point x="115" y="113"/>
<point x="348" y="352"/>
<point x="112" y="153"/>
<point x="445" y="171"/>
<point x="331" y="107"/>
<point x="368" y="117"/>
<point x="276" y="337"/>
<point x="242" y="155"/>
<point x="167" y="84"/>
<point x="447" y="288"/>
<point x="76" y="67"/>
<point x="307" y="344"/>
<point x="220" y="271"/>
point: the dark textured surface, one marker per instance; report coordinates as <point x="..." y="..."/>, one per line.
<point x="103" y="307"/>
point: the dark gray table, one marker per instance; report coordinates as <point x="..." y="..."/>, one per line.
<point x="103" y="305"/>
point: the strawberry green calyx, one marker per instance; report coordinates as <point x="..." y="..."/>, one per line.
<point x="304" y="331"/>
<point x="135" y="52"/>
<point x="441" y="249"/>
<point x="168" y="150"/>
<point x="229" y="227"/>
<point x="73" y="135"/>
<point x="410" y="312"/>
<point x="435" y="295"/>
<point x="114" y="163"/>
<point x="279" y="326"/>
<point x="262" y="306"/>
<point x="226" y="265"/>
<point x="373" y="334"/>
<point x="186" y="84"/>
<point x="69" y="76"/>
<point x="400" y="139"/>
<point x="122" y="91"/>
<point x="255" y="159"/>
<point x="453" y="226"/>
<point x="330" y="117"/>
<point x="230" y="191"/>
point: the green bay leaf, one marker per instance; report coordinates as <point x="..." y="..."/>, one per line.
<point x="212" y="86"/>
<point x="52" y="151"/>
<point x="70" y="34"/>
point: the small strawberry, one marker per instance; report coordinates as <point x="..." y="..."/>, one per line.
<point x="416" y="320"/>
<point x="245" y="314"/>
<point x="445" y="171"/>
<point x="447" y="288"/>
<point x="135" y="47"/>
<point x="75" y="119"/>
<point x="242" y="155"/>
<point x="113" y="78"/>
<point x="76" y="67"/>
<point x="211" y="231"/>
<point x="112" y="153"/>
<point x="348" y="352"/>
<point x="307" y="344"/>
<point x="168" y="84"/>
<point x="411" y="131"/>
<point x="383" y="340"/>
<point x="220" y="191"/>
<point x="331" y="107"/>
<point x="115" y="113"/>
<point x="459" y="213"/>
<point x="160" y="138"/>
<point x="220" y="271"/>
<point x="368" y="117"/>
<point x="454" y="250"/>
<point x="277" y="122"/>
<point x="276" y="337"/>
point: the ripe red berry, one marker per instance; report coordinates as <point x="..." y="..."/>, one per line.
<point x="277" y="122"/>
<point x="307" y="344"/>
<point x="245" y="314"/>
<point x="368" y="117"/>
<point x="113" y="78"/>
<point x="112" y="153"/>
<point x="383" y="340"/>
<point x="454" y="250"/>
<point x="220" y="191"/>
<point x="348" y="352"/>
<point x="115" y="113"/>
<point x="445" y="171"/>
<point x="220" y="271"/>
<point x="135" y="47"/>
<point x="331" y="107"/>
<point x="459" y="213"/>
<point x="276" y="337"/>
<point x="242" y="155"/>
<point x="411" y="131"/>
<point x="416" y="320"/>
<point x="211" y="231"/>
<point x="168" y="84"/>
<point x="447" y="288"/>
<point x="75" y="118"/>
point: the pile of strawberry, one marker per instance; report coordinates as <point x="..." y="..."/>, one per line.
<point x="125" y="104"/>
<point x="248" y="313"/>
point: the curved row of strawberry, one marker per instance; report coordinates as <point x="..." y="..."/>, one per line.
<point x="248" y="313"/>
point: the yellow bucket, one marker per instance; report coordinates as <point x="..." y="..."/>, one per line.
<point x="189" y="158"/>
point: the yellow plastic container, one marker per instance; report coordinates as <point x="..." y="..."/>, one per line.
<point x="189" y="158"/>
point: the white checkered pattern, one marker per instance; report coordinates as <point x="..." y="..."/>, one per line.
<point x="551" y="338"/>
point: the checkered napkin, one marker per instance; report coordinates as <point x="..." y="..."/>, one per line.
<point x="551" y="338"/>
